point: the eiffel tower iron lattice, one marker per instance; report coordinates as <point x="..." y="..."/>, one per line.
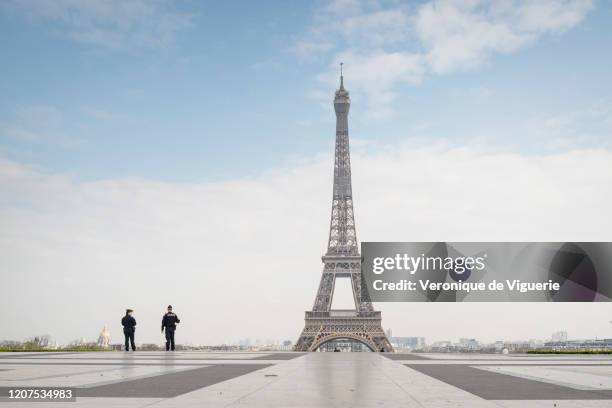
<point x="342" y="260"/>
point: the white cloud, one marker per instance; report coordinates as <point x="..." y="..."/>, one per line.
<point x="551" y="15"/>
<point x="460" y="35"/>
<point x="377" y="28"/>
<point x="38" y="124"/>
<point x="112" y="24"/>
<point x="19" y="134"/>
<point x="307" y="48"/>
<point x="444" y="36"/>
<point x="355" y="24"/>
<point x="343" y="7"/>
<point x="376" y="74"/>
<point x="588" y="126"/>
<point x="242" y="257"/>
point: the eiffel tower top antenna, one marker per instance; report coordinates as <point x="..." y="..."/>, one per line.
<point x="341" y="76"/>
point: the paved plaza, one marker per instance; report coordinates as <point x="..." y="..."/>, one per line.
<point x="198" y="379"/>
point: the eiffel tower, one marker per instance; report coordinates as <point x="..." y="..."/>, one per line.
<point x="342" y="260"/>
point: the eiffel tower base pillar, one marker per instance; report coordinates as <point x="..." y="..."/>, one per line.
<point x="322" y="327"/>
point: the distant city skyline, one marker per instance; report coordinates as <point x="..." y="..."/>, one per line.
<point x="156" y="153"/>
<point x="105" y="338"/>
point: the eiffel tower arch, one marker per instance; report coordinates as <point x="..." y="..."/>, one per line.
<point x="342" y="260"/>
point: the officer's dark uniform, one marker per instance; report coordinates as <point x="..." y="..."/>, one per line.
<point x="129" y="328"/>
<point x="169" y="322"/>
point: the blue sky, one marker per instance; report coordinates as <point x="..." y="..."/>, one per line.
<point x="190" y="90"/>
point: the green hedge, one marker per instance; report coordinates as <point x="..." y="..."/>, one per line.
<point x="49" y="350"/>
<point x="569" y="352"/>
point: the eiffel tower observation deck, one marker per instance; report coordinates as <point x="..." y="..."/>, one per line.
<point x="362" y="325"/>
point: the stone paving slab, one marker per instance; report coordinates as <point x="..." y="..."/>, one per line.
<point x="79" y="376"/>
<point x="513" y="362"/>
<point x="554" y="404"/>
<point x="581" y="377"/>
<point x="279" y="356"/>
<point x="495" y="386"/>
<point x="137" y="363"/>
<point x="17" y="354"/>
<point x="508" y="357"/>
<point x="170" y="385"/>
<point x="406" y="357"/>
<point x="90" y="403"/>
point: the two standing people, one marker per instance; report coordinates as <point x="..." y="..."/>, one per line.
<point x="169" y="322"/>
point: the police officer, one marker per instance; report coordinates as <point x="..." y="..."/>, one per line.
<point x="169" y="322"/>
<point x="129" y="328"/>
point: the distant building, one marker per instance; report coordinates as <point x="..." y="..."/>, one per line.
<point x="245" y="343"/>
<point x="559" y="336"/>
<point x="409" y="343"/>
<point x="39" y="342"/>
<point x="468" y="344"/>
<point x="517" y="346"/>
<point x="444" y="346"/>
<point x="104" y="338"/>
<point x="149" y="347"/>
<point x="588" y="344"/>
